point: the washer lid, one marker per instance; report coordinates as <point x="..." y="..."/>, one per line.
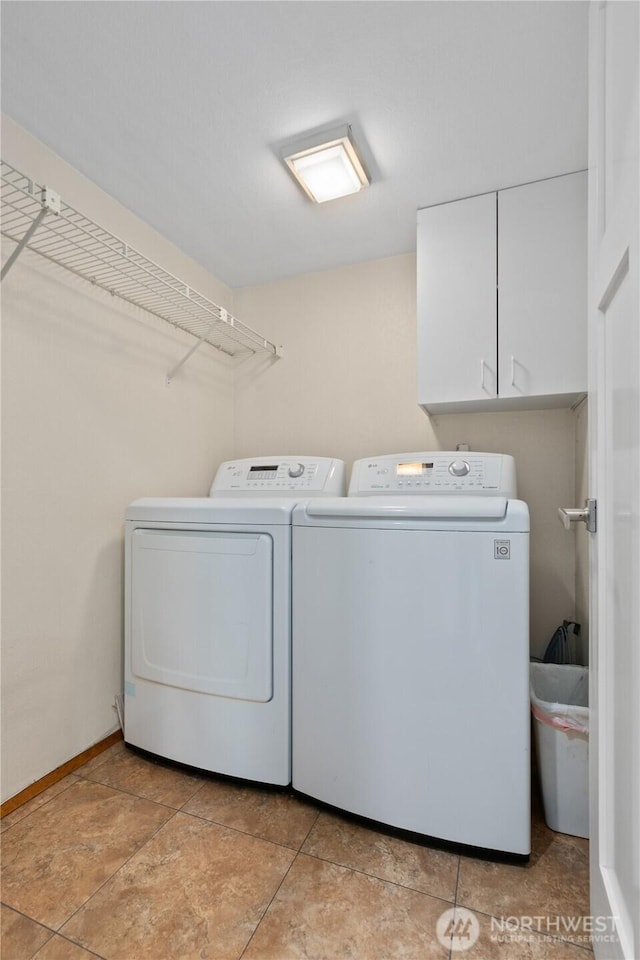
<point x="406" y="508"/>
<point x="424" y="513"/>
<point x="257" y="511"/>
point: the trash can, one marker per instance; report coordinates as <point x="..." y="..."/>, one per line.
<point x="560" y="706"/>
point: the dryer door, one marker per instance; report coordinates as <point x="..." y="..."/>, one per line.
<point x="202" y="611"/>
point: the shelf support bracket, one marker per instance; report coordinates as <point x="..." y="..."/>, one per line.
<point x="50" y="204"/>
<point x="25" y="240"/>
<point x="188" y="354"/>
<point x="193" y="349"/>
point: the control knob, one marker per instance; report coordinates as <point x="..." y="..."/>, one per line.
<point x="297" y="470"/>
<point x="459" y="468"/>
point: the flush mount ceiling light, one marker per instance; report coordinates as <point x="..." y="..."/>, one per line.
<point x="328" y="165"/>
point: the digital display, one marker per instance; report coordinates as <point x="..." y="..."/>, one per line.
<point x="268" y="469"/>
<point x="413" y="469"/>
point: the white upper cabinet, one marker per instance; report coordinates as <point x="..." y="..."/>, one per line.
<point x="502" y="299"/>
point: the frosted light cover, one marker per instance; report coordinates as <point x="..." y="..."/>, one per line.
<point x="328" y="174"/>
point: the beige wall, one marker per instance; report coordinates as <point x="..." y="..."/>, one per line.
<point x="346" y="387"/>
<point x="88" y="425"/>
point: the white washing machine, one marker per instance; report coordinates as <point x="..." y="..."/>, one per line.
<point x="207" y="678"/>
<point x="411" y="648"/>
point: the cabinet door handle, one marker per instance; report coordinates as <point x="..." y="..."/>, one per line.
<point x="482" y="383"/>
<point x="513" y="371"/>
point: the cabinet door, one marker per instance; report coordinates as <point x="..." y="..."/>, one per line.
<point x="542" y="288"/>
<point x="457" y="346"/>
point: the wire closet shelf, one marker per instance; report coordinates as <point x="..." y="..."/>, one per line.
<point x="35" y="217"/>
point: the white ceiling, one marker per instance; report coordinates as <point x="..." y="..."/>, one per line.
<point x="177" y="109"/>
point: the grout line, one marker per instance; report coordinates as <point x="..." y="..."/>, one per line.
<point x="138" y="796"/>
<point x="193" y="795"/>
<point x="455" y="904"/>
<point x="350" y="870"/>
<point x="44" y="926"/>
<point x="87" y="776"/>
<point x="112" y="876"/>
<point x="39" y="806"/>
<point x="455" y="895"/>
<point x="154" y="834"/>
<point x="244" y="833"/>
<point x="334" y="863"/>
<point x="266" y="909"/>
<point x="373" y="876"/>
<point x="308" y="833"/>
<point x="196" y="816"/>
<point x="74" y="943"/>
<point x="105" y="757"/>
<point x="53" y="933"/>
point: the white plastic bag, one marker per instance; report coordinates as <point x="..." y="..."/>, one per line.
<point x="560" y="696"/>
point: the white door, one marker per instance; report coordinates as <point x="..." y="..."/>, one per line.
<point x="614" y="394"/>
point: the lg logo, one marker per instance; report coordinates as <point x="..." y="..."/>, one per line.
<point x="502" y="549"/>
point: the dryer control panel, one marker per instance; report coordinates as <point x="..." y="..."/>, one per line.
<point x="280" y="476"/>
<point x="435" y="472"/>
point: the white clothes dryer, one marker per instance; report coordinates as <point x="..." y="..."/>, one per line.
<point x="207" y="676"/>
<point x="411" y="648"/>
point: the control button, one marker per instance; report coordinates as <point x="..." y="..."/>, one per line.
<point x="296" y="471"/>
<point x="459" y="468"/>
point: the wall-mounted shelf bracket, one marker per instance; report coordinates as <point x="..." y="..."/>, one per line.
<point x="190" y="352"/>
<point x="50" y="203"/>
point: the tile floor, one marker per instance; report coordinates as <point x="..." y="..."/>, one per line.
<point x="129" y="859"/>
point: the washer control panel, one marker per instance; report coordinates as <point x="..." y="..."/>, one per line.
<point x="280" y="476"/>
<point x="435" y="472"/>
